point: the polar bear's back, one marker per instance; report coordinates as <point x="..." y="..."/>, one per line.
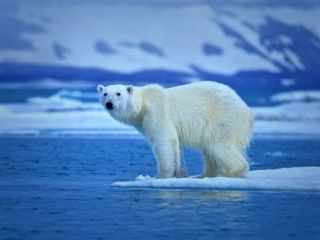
<point x="209" y="108"/>
<point x="205" y="97"/>
<point x="205" y="89"/>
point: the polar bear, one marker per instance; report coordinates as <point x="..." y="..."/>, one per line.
<point x="206" y="115"/>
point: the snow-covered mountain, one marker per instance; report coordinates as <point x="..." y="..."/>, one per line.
<point x="247" y="44"/>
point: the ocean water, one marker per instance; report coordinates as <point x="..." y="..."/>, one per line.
<point x="60" y="188"/>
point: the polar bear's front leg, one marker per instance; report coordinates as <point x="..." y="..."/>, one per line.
<point x="167" y="154"/>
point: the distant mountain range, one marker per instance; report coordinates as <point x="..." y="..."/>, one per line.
<point x="272" y="45"/>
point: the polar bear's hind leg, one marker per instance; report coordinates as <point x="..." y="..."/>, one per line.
<point x="210" y="168"/>
<point x="225" y="160"/>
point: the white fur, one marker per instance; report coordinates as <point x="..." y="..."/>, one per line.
<point x="206" y="115"/>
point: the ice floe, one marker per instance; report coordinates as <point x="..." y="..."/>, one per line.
<point x="284" y="179"/>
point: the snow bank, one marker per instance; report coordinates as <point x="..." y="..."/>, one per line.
<point x="296" y="96"/>
<point x="59" y="102"/>
<point x="79" y="112"/>
<point x="58" y="115"/>
<point x="295" y="111"/>
<point x="286" y="127"/>
<point x="291" y="179"/>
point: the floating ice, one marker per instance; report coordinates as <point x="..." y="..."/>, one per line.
<point x="290" y="179"/>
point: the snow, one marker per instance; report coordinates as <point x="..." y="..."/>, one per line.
<point x="76" y="119"/>
<point x="177" y="32"/>
<point x="56" y="102"/>
<point x="46" y="84"/>
<point x="296" y="96"/>
<point x="298" y="113"/>
<point x="57" y="113"/>
<point x="286" y="127"/>
<point x="295" y="111"/>
<point x="285" y="179"/>
<point x="70" y="112"/>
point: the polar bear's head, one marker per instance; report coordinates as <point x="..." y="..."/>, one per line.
<point x="116" y="99"/>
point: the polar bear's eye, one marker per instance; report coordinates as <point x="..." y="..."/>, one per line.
<point x="118" y="94"/>
<point x="105" y="94"/>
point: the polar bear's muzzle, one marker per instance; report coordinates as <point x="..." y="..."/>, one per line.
<point x="109" y="105"/>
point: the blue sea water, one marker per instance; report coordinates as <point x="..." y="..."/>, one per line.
<point x="60" y="188"/>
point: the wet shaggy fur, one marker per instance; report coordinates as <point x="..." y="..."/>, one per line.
<point x="207" y="116"/>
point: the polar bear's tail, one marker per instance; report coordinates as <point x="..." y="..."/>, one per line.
<point x="247" y="132"/>
<point x="251" y="123"/>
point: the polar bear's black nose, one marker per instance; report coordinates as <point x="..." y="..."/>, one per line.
<point x="109" y="105"/>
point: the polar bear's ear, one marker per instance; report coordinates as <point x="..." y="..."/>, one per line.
<point x="100" y="88"/>
<point x="130" y="89"/>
